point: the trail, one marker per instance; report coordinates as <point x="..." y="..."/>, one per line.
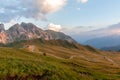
<point x="47" y="54"/>
<point x="81" y="56"/>
<point x="110" y="60"/>
<point x="95" y="60"/>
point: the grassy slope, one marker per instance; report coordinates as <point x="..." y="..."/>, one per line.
<point x="60" y="63"/>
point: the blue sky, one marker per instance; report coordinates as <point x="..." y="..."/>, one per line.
<point x="67" y="15"/>
<point x="92" y="13"/>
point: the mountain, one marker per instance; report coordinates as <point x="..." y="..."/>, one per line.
<point x="106" y="41"/>
<point x="27" y="31"/>
<point x="59" y="35"/>
<point x="105" y="37"/>
<point x="112" y="48"/>
<point x="2" y="28"/>
<point x="30" y="53"/>
<point x="3" y="34"/>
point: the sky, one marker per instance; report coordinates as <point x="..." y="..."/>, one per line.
<point x="74" y="17"/>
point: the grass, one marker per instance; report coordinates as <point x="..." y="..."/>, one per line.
<point x="87" y="63"/>
<point x="16" y="64"/>
<point x="20" y="64"/>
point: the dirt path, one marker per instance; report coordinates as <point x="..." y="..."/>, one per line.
<point x="80" y="56"/>
<point x="94" y="60"/>
<point x="110" y="60"/>
<point x="51" y="55"/>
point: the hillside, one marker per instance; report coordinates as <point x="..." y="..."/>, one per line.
<point x="56" y="60"/>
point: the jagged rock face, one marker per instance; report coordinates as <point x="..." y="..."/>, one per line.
<point x="27" y="31"/>
<point x="33" y="31"/>
<point x="2" y="28"/>
<point x="3" y="38"/>
<point x="59" y="35"/>
<point x="3" y="35"/>
<point x="16" y="33"/>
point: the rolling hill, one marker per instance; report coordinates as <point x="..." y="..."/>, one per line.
<point x="56" y="60"/>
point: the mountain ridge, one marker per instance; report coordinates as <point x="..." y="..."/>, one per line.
<point x="106" y="41"/>
<point x="28" y="31"/>
<point x="105" y="37"/>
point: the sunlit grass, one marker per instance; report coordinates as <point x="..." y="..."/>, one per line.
<point x="18" y="64"/>
<point x="88" y="63"/>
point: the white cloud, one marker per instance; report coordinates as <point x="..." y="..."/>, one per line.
<point x="35" y="9"/>
<point x="49" y="6"/>
<point x="54" y="27"/>
<point x="9" y="24"/>
<point x="82" y="1"/>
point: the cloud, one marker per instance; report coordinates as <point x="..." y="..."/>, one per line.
<point x="82" y="34"/>
<point x="36" y="9"/>
<point x="9" y="24"/>
<point x="10" y="9"/>
<point x="54" y="27"/>
<point x="82" y="1"/>
<point x="49" y="6"/>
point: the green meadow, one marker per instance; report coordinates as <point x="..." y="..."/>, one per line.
<point x="56" y="60"/>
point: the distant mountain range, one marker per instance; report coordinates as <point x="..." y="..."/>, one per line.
<point x="106" y="41"/>
<point x="107" y="38"/>
<point x="28" y="31"/>
<point x="113" y="48"/>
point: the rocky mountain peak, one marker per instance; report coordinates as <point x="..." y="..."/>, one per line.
<point x="2" y="29"/>
<point x="3" y="35"/>
<point x="16" y="28"/>
<point x="28" y="31"/>
<point x="28" y="26"/>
